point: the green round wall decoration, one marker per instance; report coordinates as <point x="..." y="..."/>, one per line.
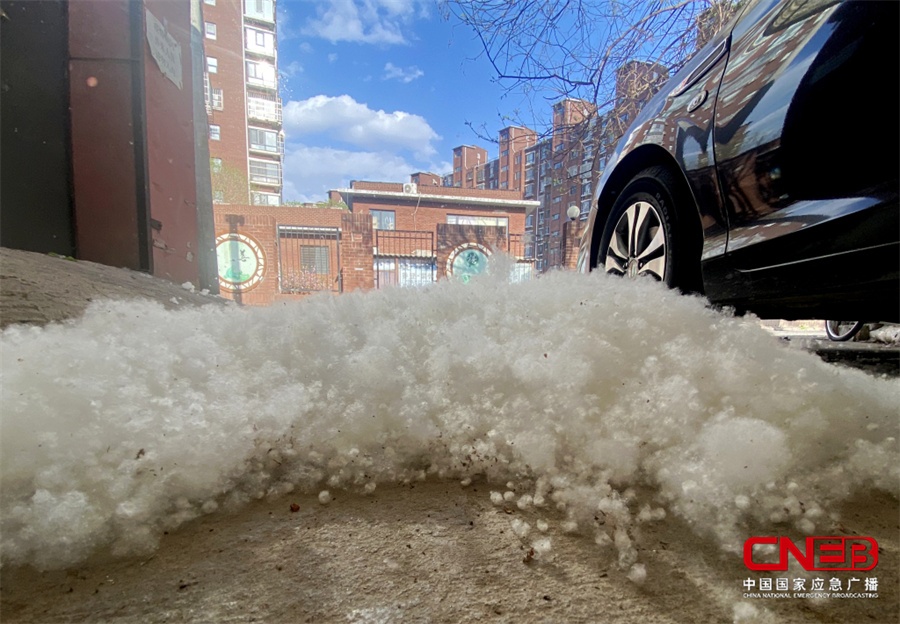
<point x="241" y="262"/>
<point x="468" y="260"/>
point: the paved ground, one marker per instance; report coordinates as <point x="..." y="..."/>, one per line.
<point x="40" y="288"/>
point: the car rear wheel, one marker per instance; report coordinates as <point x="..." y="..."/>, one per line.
<point x="643" y="235"/>
<point x="842" y="331"/>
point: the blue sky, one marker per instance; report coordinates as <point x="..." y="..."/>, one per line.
<point x="377" y="90"/>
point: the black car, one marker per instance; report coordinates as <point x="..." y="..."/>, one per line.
<point x="765" y="173"/>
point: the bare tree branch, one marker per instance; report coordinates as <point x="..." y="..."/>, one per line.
<point x="559" y="49"/>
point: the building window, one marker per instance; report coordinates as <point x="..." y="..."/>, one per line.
<point x="261" y="75"/>
<point x="383" y="219"/>
<point x="265" y="172"/>
<point x="315" y="259"/>
<point x="215" y="165"/>
<point x="529" y="221"/>
<point x="263" y="140"/>
<point x="529" y="158"/>
<point x="219" y="197"/>
<point x="210" y="2"/>
<point x="265" y="199"/>
<point x="212" y="64"/>
<point x="218" y="99"/>
<point x="210" y="29"/>
<point x="313" y="272"/>
<point x="585" y="209"/>
<point x="504" y="169"/>
<point x="215" y="132"/>
<point x="556" y="215"/>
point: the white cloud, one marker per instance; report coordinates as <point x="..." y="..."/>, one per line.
<point x="392" y="72"/>
<point x="332" y="57"/>
<point x="310" y="172"/>
<point x="365" y="21"/>
<point x="291" y="70"/>
<point x="344" y="119"/>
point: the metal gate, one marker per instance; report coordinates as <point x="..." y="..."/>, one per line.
<point x="520" y="248"/>
<point x="309" y="259"/>
<point x="404" y="258"/>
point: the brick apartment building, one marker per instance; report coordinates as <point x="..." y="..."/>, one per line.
<point x="376" y="235"/>
<point x="562" y="170"/>
<point x="246" y="141"/>
<point x="472" y="169"/>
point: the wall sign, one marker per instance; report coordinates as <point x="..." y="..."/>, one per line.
<point x="241" y="262"/>
<point x="164" y="49"/>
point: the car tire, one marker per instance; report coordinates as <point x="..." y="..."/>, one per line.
<point x="647" y="235"/>
<point x="842" y="331"/>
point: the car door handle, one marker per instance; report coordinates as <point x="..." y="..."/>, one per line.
<point x="705" y="65"/>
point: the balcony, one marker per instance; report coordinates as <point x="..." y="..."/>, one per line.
<point x="265" y="199"/>
<point x="261" y="75"/>
<point x="264" y="109"/>
<point x="265" y="172"/>
<point x="260" y="42"/>
<point x="260" y="10"/>
<point x="265" y="141"/>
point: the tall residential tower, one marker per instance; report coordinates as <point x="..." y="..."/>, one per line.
<point x="246" y="141"/>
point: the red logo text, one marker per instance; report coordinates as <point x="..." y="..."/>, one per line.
<point x="820" y="553"/>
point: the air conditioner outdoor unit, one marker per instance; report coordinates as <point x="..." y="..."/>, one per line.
<point x="410" y="187"/>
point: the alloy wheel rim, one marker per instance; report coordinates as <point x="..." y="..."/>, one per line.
<point x="638" y="244"/>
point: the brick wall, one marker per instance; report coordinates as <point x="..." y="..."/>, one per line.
<point x="356" y="252"/>
<point x="423" y="178"/>
<point x="352" y="259"/>
<point x="572" y="231"/>
<point x="427" y="217"/>
<point x="450" y="237"/>
<point x="261" y="230"/>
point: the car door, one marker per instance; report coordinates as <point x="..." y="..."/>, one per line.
<point x="799" y="140"/>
